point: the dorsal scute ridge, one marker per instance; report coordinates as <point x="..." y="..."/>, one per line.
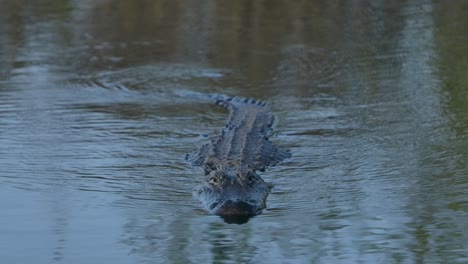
<point x="244" y="139"/>
<point x="232" y="101"/>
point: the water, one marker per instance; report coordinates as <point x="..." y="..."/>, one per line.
<point x="101" y="100"/>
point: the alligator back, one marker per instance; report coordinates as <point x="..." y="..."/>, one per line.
<point x="243" y="142"/>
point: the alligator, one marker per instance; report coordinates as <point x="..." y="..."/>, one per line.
<point x="232" y="187"/>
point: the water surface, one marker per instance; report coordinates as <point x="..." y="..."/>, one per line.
<point x="101" y="100"/>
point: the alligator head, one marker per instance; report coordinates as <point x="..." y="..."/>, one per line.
<point x="233" y="193"/>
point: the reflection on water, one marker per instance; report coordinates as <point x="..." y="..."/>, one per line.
<point x="100" y="101"/>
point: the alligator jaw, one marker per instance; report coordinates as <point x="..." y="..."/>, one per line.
<point x="237" y="207"/>
<point x="237" y="212"/>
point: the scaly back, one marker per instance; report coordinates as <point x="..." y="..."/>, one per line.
<point x="243" y="142"/>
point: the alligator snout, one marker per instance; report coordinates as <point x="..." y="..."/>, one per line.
<point x="236" y="207"/>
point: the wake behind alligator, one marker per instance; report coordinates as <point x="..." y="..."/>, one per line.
<point x="231" y="186"/>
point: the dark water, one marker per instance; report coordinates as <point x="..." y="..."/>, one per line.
<point x="100" y="101"/>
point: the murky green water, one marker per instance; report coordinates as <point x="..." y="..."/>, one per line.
<point x="100" y="101"/>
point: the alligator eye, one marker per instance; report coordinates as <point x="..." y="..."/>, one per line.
<point x="214" y="180"/>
